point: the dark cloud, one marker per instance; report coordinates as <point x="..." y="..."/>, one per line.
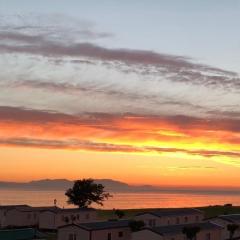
<point x="204" y="153"/>
<point x="184" y="123"/>
<point x="106" y="147"/>
<point x="52" y="86"/>
<point x="175" y="68"/>
<point x="67" y="144"/>
<point x="40" y="117"/>
<point x="226" y="114"/>
<point x="24" y="115"/>
<point x="19" y="37"/>
<point x="49" y="48"/>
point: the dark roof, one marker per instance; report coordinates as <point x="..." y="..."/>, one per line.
<point x="69" y="210"/>
<point x="106" y="224"/>
<point x="177" y="229"/>
<point x="7" y="207"/>
<point x="101" y="225"/>
<point x="173" y="212"/>
<point x="41" y="209"/>
<point x="26" y="208"/>
<point x="230" y="217"/>
<point x="21" y="234"/>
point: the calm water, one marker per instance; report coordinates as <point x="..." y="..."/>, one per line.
<point x="123" y="200"/>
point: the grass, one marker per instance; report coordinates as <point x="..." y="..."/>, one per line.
<point x="51" y="236"/>
<point x="210" y="211"/>
<point x="213" y="211"/>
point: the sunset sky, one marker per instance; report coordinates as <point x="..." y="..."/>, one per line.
<point x="146" y="92"/>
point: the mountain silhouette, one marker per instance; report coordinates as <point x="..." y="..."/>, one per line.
<point x="63" y="184"/>
<point x="112" y="186"/>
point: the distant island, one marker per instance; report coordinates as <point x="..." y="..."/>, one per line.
<point x="63" y="184"/>
<point x="111" y="186"/>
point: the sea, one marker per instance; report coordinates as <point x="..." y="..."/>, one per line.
<point x="123" y="200"/>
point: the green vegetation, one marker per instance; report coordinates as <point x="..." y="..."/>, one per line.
<point x="51" y="236"/>
<point x="119" y="213"/>
<point x="210" y="211"/>
<point x="110" y="214"/>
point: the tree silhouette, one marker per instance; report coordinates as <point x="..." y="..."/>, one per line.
<point x="136" y="225"/>
<point x="232" y="228"/>
<point x="119" y="213"/>
<point x="85" y="192"/>
<point x="191" y="232"/>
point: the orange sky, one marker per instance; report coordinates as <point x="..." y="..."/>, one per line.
<point x="163" y="150"/>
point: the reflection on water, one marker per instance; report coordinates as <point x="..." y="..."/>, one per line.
<point x="122" y="200"/>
